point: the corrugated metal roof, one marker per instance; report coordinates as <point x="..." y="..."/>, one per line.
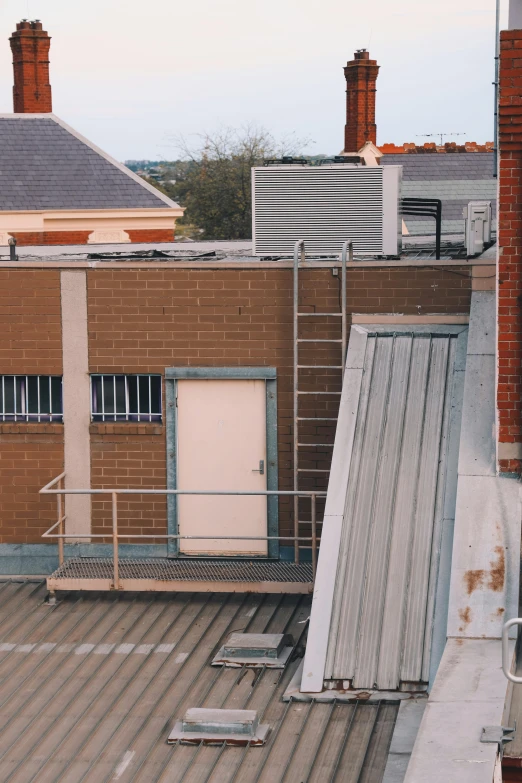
<point x="90" y="689"/>
<point x="396" y="502"/>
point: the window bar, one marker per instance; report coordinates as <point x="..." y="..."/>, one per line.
<point x="126" y="382"/>
<point x="103" y="397"/>
<point x="14" y="394"/>
<point x="3" y="397"/>
<point x="138" y="388"/>
<point x="25" y="398"/>
<point x="150" y="398"/>
<point x="114" y="396"/>
<point x="38" y="398"/>
<point x="51" y="418"/>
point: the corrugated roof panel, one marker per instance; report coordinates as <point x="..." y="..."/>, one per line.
<point x="90" y="688"/>
<point x="380" y="633"/>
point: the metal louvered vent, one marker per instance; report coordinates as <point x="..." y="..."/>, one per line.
<point x="270" y="650"/>
<point x="326" y="206"/>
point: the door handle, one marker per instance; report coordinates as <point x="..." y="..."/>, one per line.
<point x="261" y="468"/>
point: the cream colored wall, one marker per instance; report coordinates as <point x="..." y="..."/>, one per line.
<point x="88" y="220"/>
<point x="76" y="399"/>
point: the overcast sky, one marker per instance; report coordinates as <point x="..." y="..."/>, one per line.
<point x="131" y="75"/>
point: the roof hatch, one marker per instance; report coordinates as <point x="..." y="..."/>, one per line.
<point x="215" y="727"/>
<point x="255" y="649"/>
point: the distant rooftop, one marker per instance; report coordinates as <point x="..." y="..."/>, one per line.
<point x="430" y="147"/>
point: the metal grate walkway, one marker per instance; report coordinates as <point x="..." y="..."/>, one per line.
<point x="184" y="575"/>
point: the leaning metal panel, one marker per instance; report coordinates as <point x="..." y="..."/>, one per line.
<point x="380" y="631"/>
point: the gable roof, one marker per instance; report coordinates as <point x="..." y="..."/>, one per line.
<point x="456" y="179"/>
<point x="45" y="164"/>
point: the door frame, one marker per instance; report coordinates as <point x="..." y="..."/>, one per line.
<point x="267" y="374"/>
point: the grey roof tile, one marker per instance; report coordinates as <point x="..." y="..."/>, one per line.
<point x="44" y="166"/>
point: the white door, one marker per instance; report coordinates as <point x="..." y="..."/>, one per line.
<point x="222" y="445"/>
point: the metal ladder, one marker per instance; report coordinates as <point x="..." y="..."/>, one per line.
<point x="299" y="259"/>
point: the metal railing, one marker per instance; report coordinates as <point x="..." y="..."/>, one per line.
<point x="56" y="487"/>
<point x="506" y="660"/>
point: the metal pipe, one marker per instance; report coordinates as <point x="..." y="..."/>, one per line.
<point x="234" y="493"/>
<point x="347" y="249"/>
<point x="47" y="534"/>
<point x="299" y="254"/>
<point x="12" y="249"/>
<point x="60" y="520"/>
<point x="314" y="537"/>
<point x="496" y="89"/>
<point x="506" y="662"/>
<point x="116" y="583"/>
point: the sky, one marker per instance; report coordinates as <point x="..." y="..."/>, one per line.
<point x="133" y="76"/>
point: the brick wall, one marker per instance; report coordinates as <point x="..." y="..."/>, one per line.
<point x="30" y="455"/>
<point x="31" y="238"/>
<point x="361" y="87"/>
<point x="510" y="246"/>
<point x="151" y="235"/>
<point x="30" y="322"/>
<point x="144" y="321"/>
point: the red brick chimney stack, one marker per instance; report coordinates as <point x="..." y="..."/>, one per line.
<point x="30" y="46"/>
<point x="361" y="80"/>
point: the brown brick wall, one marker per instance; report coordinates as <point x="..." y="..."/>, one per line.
<point x="144" y="321"/>
<point x="30" y="238"/>
<point x="30" y="455"/>
<point x="510" y="245"/>
<point x="30" y="322"/>
<point x="151" y="235"/>
<point x="129" y="456"/>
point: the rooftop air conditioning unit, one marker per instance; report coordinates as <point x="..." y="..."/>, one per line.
<point x="326" y="206"/>
<point x="477" y="217"/>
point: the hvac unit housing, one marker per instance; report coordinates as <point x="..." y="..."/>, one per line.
<point x="326" y="206"/>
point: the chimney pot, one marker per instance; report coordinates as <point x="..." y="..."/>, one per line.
<point x="30" y="47"/>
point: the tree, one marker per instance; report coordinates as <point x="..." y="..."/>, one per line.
<point x="213" y="182"/>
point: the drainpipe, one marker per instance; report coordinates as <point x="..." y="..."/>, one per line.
<point x="497" y="58"/>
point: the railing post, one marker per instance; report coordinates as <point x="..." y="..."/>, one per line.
<point x="116" y="584"/>
<point x="314" y="537"/>
<point x="60" y="526"/>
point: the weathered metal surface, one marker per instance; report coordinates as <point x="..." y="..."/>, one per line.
<point x="255" y="649"/>
<point x="381" y="625"/>
<point x="96" y="696"/>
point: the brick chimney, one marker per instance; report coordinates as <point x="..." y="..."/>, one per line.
<point x="361" y="79"/>
<point x="30" y="46"/>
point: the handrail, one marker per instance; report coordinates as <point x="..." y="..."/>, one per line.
<point x="506" y="662"/>
<point x="60" y="490"/>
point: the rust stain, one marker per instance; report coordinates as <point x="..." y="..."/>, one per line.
<point x="465" y="618"/>
<point x="498" y="571"/>
<point x="500" y="611"/>
<point x="474" y="579"/>
<point x="459" y="642"/>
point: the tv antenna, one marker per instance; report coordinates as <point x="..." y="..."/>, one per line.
<point x="442" y="135"/>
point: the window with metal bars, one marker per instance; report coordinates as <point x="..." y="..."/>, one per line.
<point x="126" y="398"/>
<point x="34" y="398"/>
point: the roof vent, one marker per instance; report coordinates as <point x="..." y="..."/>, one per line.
<point x="255" y="649"/>
<point x="215" y="727"/>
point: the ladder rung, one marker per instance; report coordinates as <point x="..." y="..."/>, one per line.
<point x="317" y="392"/>
<point x="315" y="418"/>
<point x="319" y="366"/>
<point x="309" y="522"/>
<point x="312" y="470"/>
<point x="332" y="315"/>
<point x="316" y="444"/>
<point x="300" y="340"/>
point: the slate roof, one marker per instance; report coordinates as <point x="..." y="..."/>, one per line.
<point x="455" y="178"/>
<point x="46" y="165"/>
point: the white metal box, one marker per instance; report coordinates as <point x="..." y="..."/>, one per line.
<point x="326" y="206"/>
<point x="477" y="216"/>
